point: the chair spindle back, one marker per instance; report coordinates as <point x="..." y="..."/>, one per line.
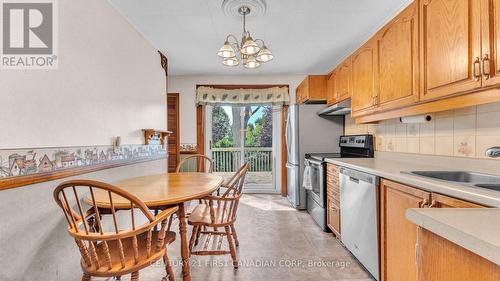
<point x="204" y="164"/>
<point x="90" y="231"/>
<point x="224" y="210"/>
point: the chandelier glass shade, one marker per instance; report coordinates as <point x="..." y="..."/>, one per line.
<point x="251" y="62"/>
<point x="232" y="61"/>
<point x="249" y="47"/>
<point x="226" y="51"/>
<point x="249" y="52"/>
<point x="264" y="54"/>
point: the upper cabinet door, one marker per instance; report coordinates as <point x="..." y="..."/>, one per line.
<point x="398" y="60"/>
<point x="331" y="97"/>
<point x="450" y="47"/>
<point x="490" y="26"/>
<point x="343" y="84"/>
<point x="364" y="94"/>
<point x="312" y="89"/>
<point x="300" y="92"/>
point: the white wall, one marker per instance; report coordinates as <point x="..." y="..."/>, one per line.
<point x="186" y="87"/>
<point x="109" y="83"/>
<point x="34" y="241"/>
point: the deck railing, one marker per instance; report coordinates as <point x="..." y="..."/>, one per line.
<point x="260" y="159"/>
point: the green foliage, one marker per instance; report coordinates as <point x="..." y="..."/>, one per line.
<point x="257" y="134"/>
<point x="221" y="128"/>
<point x="252" y="134"/>
<point x="260" y="134"/>
<point x="266" y="135"/>
<point x="224" y="143"/>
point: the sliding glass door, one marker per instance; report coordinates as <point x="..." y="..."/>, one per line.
<point x="238" y="134"/>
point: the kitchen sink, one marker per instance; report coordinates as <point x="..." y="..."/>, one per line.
<point x="489" y="186"/>
<point x="462" y="177"/>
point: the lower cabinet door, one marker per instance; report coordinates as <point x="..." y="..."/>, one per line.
<point x="333" y="213"/>
<point x="399" y="235"/>
<point x="443" y="201"/>
<point x="442" y="260"/>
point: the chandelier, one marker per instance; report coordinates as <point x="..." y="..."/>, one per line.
<point x="248" y="52"/>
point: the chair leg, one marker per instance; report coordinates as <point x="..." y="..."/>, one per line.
<point x="231" y="247"/>
<point x="170" y="222"/>
<point x="168" y="267"/>
<point x="198" y="233"/>
<point x="134" y="276"/>
<point x="86" y="277"/>
<point x="233" y="232"/>
<point x="193" y="237"/>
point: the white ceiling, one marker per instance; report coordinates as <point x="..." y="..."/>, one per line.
<point x="305" y="36"/>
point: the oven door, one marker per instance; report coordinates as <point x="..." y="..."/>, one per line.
<point x="318" y="181"/>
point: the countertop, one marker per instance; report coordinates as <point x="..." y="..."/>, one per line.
<point x="393" y="167"/>
<point x="477" y="230"/>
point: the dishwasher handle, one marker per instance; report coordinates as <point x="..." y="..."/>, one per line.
<point x="357" y="176"/>
<point x="354" y="180"/>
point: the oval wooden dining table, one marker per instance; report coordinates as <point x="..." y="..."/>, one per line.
<point x="164" y="191"/>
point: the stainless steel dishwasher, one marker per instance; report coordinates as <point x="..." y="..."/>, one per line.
<point x="359" y="217"/>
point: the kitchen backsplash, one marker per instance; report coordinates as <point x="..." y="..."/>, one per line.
<point x="466" y="132"/>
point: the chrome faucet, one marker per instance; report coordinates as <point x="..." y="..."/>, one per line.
<point x="493" y="152"/>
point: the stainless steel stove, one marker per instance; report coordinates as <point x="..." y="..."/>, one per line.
<point x="360" y="146"/>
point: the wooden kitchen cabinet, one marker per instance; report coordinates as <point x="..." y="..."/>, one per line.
<point x="300" y="92"/>
<point x="331" y="97"/>
<point x="333" y="199"/>
<point x="442" y="260"/>
<point x="312" y="90"/>
<point x="343" y="80"/>
<point x="435" y="55"/>
<point x="490" y="26"/>
<point x="333" y="217"/>
<point x="385" y="70"/>
<point x="397" y="68"/>
<point x="443" y="201"/>
<point x="450" y="46"/>
<point x="398" y="235"/>
<point x="364" y="79"/>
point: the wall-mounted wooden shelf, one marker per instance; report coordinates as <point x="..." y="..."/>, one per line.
<point x="153" y="136"/>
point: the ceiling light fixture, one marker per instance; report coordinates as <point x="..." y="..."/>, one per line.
<point x="250" y="53"/>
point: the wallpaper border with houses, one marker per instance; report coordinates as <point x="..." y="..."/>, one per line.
<point x="22" y="162"/>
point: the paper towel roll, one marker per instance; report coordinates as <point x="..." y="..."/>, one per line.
<point x="416" y="119"/>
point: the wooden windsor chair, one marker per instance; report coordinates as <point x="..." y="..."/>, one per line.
<point x="117" y="252"/>
<point x="218" y="212"/>
<point x="204" y="164"/>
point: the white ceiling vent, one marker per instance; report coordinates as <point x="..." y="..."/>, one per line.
<point x="230" y="7"/>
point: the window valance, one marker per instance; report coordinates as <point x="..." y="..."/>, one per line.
<point x="275" y="95"/>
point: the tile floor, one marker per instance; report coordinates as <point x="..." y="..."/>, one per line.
<point x="276" y="243"/>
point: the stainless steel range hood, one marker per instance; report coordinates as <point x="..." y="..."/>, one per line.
<point x="341" y="108"/>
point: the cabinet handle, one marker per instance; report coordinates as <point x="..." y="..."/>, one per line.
<point x="477" y="69"/>
<point x="418" y="255"/>
<point x="433" y="204"/>
<point x="486" y="67"/>
<point x="423" y="204"/>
